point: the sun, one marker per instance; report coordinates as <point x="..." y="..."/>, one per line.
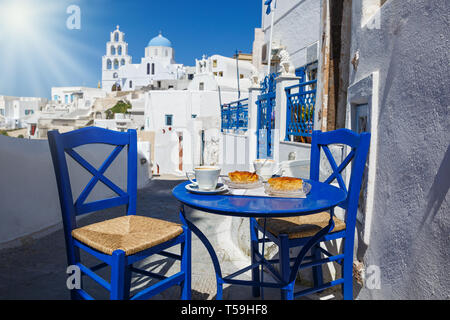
<point x="37" y="50"/>
<point x="17" y="16"/>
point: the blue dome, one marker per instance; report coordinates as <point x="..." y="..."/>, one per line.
<point x="159" y="41"/>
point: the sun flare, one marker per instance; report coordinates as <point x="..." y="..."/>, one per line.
<point x="37" y="49"/>
<point x="18" y="16"/>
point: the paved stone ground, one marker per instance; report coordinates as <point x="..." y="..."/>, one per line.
<point x="36" y="270"/>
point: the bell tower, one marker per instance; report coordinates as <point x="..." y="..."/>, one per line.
<point x="116" y="57"/>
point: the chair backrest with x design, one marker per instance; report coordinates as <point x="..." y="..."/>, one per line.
<point x="62" y="144"/>
<point x="359" y="144"/>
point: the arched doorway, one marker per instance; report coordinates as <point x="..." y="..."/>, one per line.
<point x="116" y="87"/>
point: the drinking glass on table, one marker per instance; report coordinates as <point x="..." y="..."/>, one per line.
<point x="264" y="168"/>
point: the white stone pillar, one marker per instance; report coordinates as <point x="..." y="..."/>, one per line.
<point x="282" y="82"/>
<point x="252" y="132"/>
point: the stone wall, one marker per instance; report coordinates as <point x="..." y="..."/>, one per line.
<point x="29" y="199"/>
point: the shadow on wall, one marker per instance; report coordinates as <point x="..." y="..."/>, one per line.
<point x="28" y="192"/>
<point x="438" y="190"/>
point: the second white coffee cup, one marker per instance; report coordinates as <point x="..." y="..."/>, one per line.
<point x="264" y="168"/>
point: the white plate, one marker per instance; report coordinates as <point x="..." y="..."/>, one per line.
<point x="194" y="189"/>
<point x="289" y="194"/>
<point x="236" y="185"/>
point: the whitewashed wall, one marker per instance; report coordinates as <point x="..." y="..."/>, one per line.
<point x="29" y="202"/>
<point x="296" y="26"/>
<point x="403" y="47"/>
<point x="182" y="104"/>
<point x="301" y="151"/>
<point x="234" y="152"/>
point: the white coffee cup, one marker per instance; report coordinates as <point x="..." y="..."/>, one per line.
<point x="264" y="168"/>
<point x="206" y="177"/>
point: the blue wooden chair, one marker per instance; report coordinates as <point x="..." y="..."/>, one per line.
<point x="122" y="241"/>
<point x="309" y="231"/>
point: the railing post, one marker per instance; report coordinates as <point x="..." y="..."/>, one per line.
<point x="229" y="117"/>
<point x="253" y="93"/>
<point x="282" y="82"/>
<point x="288" y="112"/>
<point x="238" y="115"/>
<point x="245" y="115"/>
<point x="221" y="118"/>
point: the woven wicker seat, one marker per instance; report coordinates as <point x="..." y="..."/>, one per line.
<point x="301" y="226"/>
<point x="128" y="233"/>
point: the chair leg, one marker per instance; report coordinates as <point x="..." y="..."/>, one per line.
<point x="127" y="282"/>
<point x="74" y="295"/>
<point x="219" y="295"/>
<point x="73" y="257"/>
<point x="186" y="265"/>
<point x="287" y="293"/>
<point x="256" y="291"/>
<point x="347" y="274"/>
<point x="317" y="270"/>
<point x="118" y="267"/>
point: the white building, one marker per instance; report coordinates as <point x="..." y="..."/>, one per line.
<point x="77" y="97"/>
<point x="186" y="123"/>
<point x="14" y="110"/>
<point x="157" y="65"/>
<point x="121" y="122"/>
<point x="170" y="100"/>
<point x="219" y="72"/>
<point x="183" y="124"/>
<point x="69" y="109"/>
<point x="296" y="27"/>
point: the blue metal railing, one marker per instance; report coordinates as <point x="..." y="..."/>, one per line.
<point x="266" y="116"/>
<point x="234" y="115"/>
<point x="268" y="84"/>
<point x="301" y="99"/>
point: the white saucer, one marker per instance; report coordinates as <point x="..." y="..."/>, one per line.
<point x="194" y="189"/>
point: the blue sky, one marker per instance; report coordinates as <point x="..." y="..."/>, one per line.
<point x="38" y="51"/>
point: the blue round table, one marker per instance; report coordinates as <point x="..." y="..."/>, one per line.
<point x="322" y="197"/>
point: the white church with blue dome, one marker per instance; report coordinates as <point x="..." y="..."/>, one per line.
<point x="119" y="73"/>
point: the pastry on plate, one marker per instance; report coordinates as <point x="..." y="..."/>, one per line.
<point x="285" y="183"/>
<point x="243" y="177"/>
